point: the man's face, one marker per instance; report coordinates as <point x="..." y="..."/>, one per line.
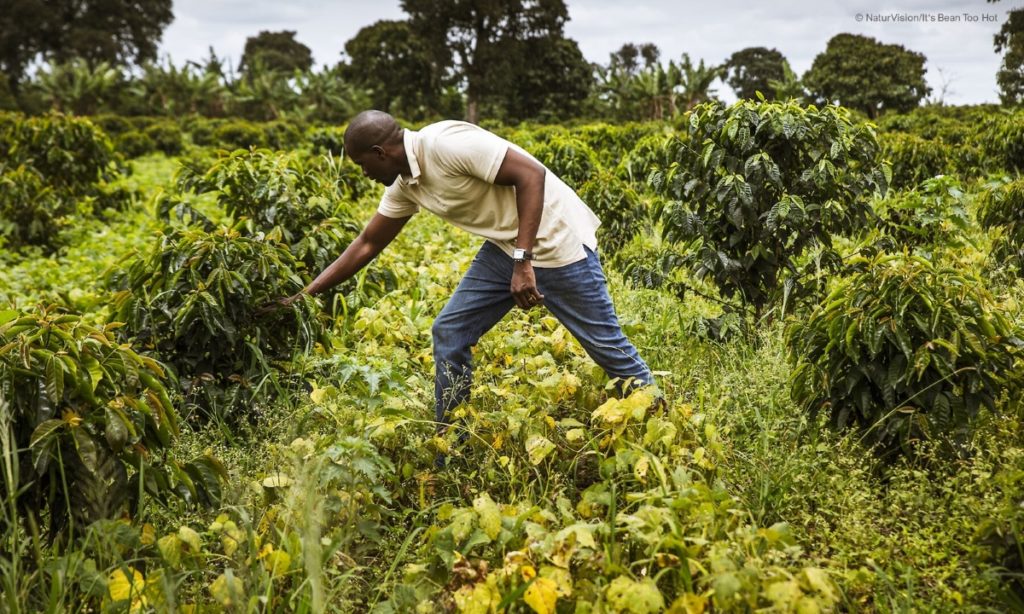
<point x="377" y="165"/>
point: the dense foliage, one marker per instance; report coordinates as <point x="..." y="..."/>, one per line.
<point x="78" y="411"/>
<point x="758" y="184"/>
<point x="196" y="301"/>
<point x="861" y="73"/>
<point x="50" y="163"/>
<point x="905" y="349"/>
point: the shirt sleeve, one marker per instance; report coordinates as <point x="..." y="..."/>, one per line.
<point x="469" y="150"/>
<point x="396" y="205"/>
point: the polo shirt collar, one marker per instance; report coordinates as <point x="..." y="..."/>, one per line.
<point x="411" y="139"/>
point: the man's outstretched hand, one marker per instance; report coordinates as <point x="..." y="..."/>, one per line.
<point x="524" y="286"/>
<point x="279" y="303"/>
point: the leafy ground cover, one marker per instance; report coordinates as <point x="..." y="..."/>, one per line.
<point x="558" y="497"/>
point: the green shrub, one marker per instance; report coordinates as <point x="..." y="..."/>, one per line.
<point x="611" y="142"/>
<point x="113" y="125"/>
<point x="1001" y="204"/>
<point x="284" y="197"/>
<point x="166" y="136"/>
<point x="282" y="134"/>
<point x="650" y="153"/>
<point x="70" y="153"/>
<point x="201" y="129"/>
<point x="328" y="140"/>
<point x="915" y="159"/>
<point x="756" y="184"/>
<point x="903" y="350"/>
<point x="935" y="214"/>
<point x="239" y="134"/>
<point x="1003" y="141"/>
<point x="31" y="212"/>
<point x="90" y="419"/>
<point x="197" y="300"/>
<point x="620" y="209"/>
<point x="572" y="160"/>
<point x="134" y="144"/>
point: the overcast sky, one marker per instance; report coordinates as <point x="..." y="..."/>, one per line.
<point x="955" y="36"/>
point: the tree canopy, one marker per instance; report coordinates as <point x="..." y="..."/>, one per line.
<point x="1010" y="77"/>
<point x="120" y="32"/>
<point x="751" y="70"/>
<point x="388" y="59"/>
<point x="861" y="73"/>
<point x="470" y="39"/>
<point x="276" y="51"/>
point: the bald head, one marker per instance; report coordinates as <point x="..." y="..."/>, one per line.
<point x="371" y="128"/>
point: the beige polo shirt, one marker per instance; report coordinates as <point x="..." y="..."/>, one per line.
<point x="453" y="165"/>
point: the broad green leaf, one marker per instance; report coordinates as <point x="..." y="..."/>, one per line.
<point x="44" y="431"/>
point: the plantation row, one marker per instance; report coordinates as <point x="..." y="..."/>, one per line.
<point x="857" y="246"/>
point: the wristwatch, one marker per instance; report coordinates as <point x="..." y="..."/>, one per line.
<point x="521" y="255"/>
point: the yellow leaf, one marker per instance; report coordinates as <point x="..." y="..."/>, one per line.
<point x="541" y="595"/>
<point x="228" y="590"/>
<point x="537" y="448"/>
<point x="528" y="572"/>
<point x="688" y="604"/>
<point x="574" y="435"/>
<point x="490" y="515"/>
<point x="479" y="598"/>
<point x="277" y="562"/>
<point x="148" y="536"/>
<point x="561" y="577"/>
<point x="170" y="549"/>
<point x="189" y="536"/>
<point x="120" y="588"/>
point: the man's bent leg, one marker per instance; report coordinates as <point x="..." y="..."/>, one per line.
<point x="482" y="298"/>
<point x="577" y="294"/>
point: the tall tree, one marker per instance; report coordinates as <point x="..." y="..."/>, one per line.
<point x="750" y="70"/>
<point x="1011" y="74"/>
<point x="861" y="73"/>
<point x="629" y="56"/>
<point x="390" y="60"/>
<point x="120" y="32"/>
<point x="276" y="51"/>
<point x="551" y="86"/>
<point x="466" y="37"/>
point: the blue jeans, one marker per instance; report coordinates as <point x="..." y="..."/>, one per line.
<point x="576" y="294"/>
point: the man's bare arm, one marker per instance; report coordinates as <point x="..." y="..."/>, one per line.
<point x="527" y="176"/>
<point x="379" y="232"/>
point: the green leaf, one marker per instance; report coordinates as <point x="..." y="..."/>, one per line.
<point x="44" y="432"/>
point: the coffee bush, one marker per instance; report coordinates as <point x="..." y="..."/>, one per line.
<point x="903" y="350"/>
<point x="90" y="420"/>
<point x="200" y="301"/>
<point x="756" y="184"/>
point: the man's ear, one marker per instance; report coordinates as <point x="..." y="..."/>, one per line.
<point x="379" y="151"/>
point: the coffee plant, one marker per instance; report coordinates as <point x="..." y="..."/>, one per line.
<point x="622" y="212"/>
<point x="1001" y="204"/>
<point x="198" y="299"/>
<point x="90" y="419"/>
<point x="31" y="212"/>
<point x="935" y="214"/>
<point x="70" y="153"/>
<point x="572" y="160"/>
<point x="284" y="197"/>
<point x="1003" y="140"/>
<point x="50" y="164"/>
<point x="903" y="350"/>
<point x="915" y="159"/>
<point x="756" y="184"/>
